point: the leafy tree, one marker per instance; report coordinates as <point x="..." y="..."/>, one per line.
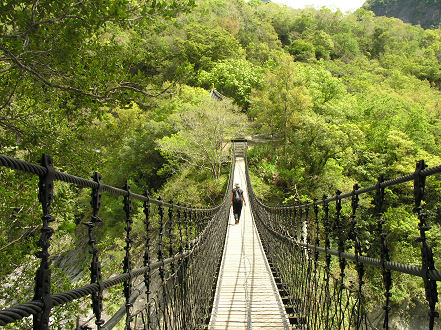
<point x="322" y="85"/>
<point x="58" y="46"/>
<point x="258" y="53"/>
<point x="277" y="106"/>
<point x="128" y="150"/>
<point x="281" y="18"/>
<point x="256" y="28"/>
<point x="302" y="50"/>
<point x="234" y="78"/>
<point x="204" y="45"/>
<point x="202" y="134"/>
<point x="304" y="23"/>
<point x="323" y="44"/>
<point x="379" y="42"/>
<point x="345" y="47"/>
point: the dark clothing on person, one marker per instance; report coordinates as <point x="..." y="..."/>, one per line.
<point x="237" y="209"/>
<point x="237" y="202"/>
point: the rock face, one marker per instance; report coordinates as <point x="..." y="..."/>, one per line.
<point x="426" y="13"/>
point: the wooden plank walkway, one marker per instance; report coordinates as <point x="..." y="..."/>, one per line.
<point x="246" y="295"/>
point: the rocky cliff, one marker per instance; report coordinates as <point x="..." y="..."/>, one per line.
<point x="426" y="13"/>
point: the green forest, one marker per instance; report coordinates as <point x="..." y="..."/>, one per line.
<point x="123" y="87"/>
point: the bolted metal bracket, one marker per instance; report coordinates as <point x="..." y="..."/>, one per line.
<point x="95" y="266"/>
<point x="426" y="252"/>
<point x="42" y="289"/>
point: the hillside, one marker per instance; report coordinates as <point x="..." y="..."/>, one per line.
<point x="125" y="91"/>
<point x="426" y="13"/>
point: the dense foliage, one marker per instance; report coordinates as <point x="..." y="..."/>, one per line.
<point x="123" y="89"/>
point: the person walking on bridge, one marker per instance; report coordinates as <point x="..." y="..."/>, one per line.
<point x="237" y="200"/>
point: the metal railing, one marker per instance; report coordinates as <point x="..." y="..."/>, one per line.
<point x="177" y="288"/>
<point x="300" y="242"/>
<point x="320" y="294"/>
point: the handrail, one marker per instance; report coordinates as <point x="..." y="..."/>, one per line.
<point x="17" y="164"/>
<point x="311" y="225"/>
<point x="205" y="222"/>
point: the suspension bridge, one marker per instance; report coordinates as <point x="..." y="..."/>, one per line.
<point x="300" y="266"/>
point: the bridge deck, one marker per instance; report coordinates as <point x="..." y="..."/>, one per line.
<point x="246" y="295"/>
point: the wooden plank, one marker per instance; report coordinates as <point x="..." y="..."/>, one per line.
<point x="246" y="295"/>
